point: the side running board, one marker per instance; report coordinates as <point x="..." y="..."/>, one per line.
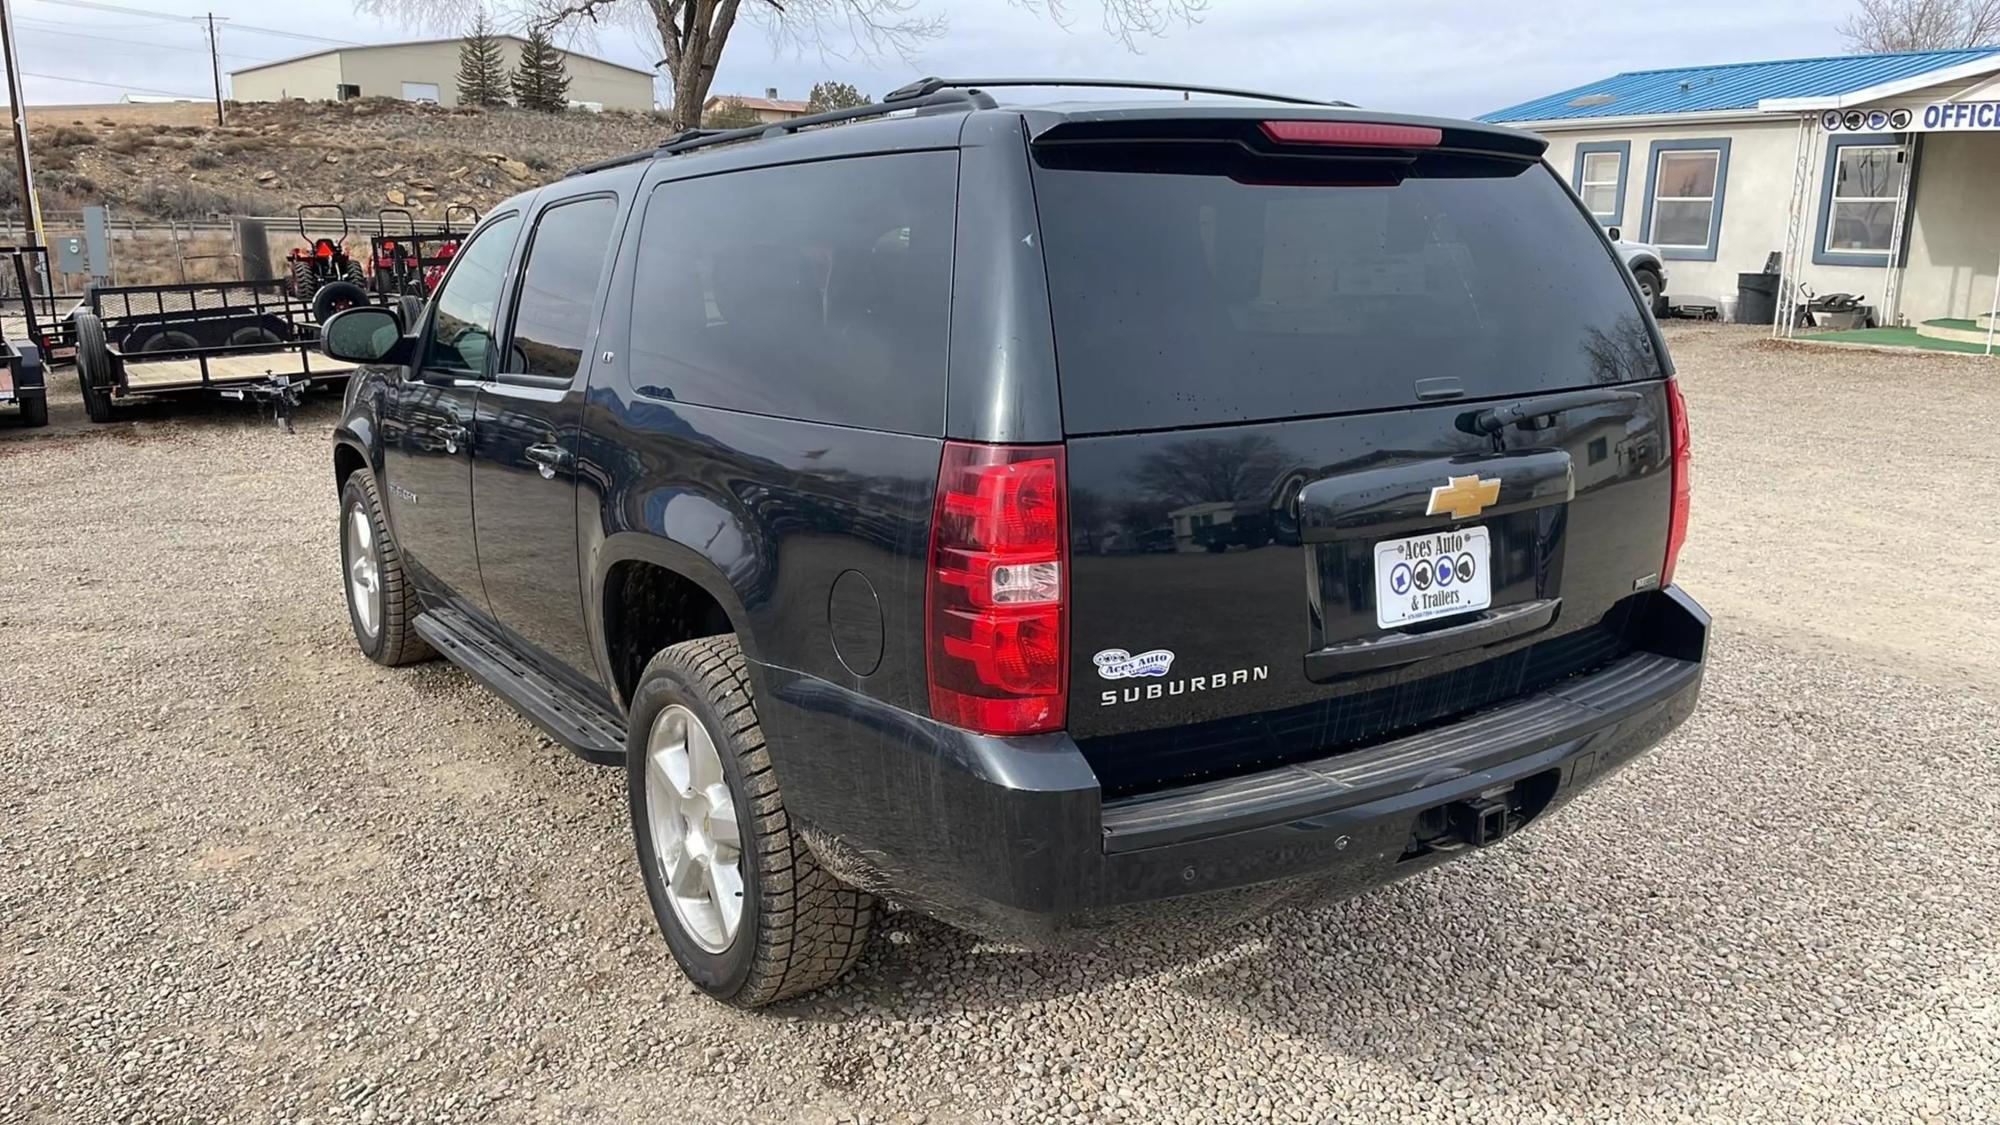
<point x="591" y="732"/>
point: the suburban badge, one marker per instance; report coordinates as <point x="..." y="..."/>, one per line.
<point x="1463" y="497"/>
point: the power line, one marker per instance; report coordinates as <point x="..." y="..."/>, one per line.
<point x="115" y="85"/>
<point x="98" y="6"/>
<point x="68" y="34"/>
<point x="93" y="26"/>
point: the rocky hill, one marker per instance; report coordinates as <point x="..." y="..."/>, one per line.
<point x="173" y="162"/>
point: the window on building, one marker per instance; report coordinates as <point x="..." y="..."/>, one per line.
<point x="1603" y="176"/>
<point x="1685" y="189"/>
<point x="346" y="91"/>
<point x="1861" y="217"/>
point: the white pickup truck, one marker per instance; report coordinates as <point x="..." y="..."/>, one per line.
<point x="1648" y="268"/>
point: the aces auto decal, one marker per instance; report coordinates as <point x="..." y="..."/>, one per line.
<point x="1156" y="665"/>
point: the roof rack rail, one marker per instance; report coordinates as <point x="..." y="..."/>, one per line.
<point x="688" y="140"/>
<point x="927" y="87"/>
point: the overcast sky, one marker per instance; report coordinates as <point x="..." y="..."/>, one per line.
<point x="1455" y="57"/>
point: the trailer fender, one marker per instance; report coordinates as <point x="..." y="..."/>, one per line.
<point x="33" y="373"/>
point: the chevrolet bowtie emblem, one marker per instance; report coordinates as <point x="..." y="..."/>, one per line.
<point x="1463" y="497"/>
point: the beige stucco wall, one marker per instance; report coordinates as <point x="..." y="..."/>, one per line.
<point x="1756" y="197"/>
<point x="1955" y="240"/>
<point x="314" y="79"/>
<point x="1954" y="234"/>
<point x="381" y="72"/>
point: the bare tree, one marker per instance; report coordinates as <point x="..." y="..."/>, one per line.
<point x="693" y="33"/>
<point x="1921" y="25"/>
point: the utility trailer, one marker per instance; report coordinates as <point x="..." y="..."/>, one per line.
<point x="23" y="380"/>
<point x="29" y="313"/>
<point x="251" y="340"/>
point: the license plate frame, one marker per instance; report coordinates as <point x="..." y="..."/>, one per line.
<point x="1421" y="578"/>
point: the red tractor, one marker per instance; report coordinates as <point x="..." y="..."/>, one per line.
<point x="408" y="258"/>
<point x="321" y="273"/>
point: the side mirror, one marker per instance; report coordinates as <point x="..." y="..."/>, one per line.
<point x="365" y="334"/>
<point x="1613" y="232"/>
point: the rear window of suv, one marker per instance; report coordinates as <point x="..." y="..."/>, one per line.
<point x="1207" y="296"/>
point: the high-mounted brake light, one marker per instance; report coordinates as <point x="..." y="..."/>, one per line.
<point x="1677" y="520"/>
<point x="1363" y="133"/>
<point x="998" y="634"/>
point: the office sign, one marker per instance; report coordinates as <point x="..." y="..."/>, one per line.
<point x="1961" y="117"/>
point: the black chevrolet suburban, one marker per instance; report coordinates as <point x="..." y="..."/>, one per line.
<point x="1051" y="518"/>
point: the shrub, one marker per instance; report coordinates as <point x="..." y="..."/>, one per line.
<point x="127" y="142"/>
<point x="184" y="200"/>
<point x="70" y="136"/>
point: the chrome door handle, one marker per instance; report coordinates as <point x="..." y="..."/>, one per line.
<point x="547" y="458"/>
<point x="452" y="434"/>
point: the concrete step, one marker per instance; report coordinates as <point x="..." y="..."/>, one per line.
<point x="1960" y="331"/>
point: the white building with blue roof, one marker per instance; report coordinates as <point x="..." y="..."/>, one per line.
<point x="1877" y="175"/>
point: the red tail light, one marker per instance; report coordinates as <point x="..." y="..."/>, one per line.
<point x="1677" y="522"/>
<point x="1353" y="133"/>
<point x="998" y="638"/>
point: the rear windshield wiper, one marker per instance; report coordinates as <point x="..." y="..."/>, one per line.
<point x="1491" y="421"/>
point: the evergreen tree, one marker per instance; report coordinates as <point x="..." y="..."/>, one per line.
<point x="729" y="113"/>
<point x="834" y="95"/>
<point x="482" y="72"/>
<point x="540" y="81"/>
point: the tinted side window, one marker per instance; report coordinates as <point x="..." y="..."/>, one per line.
<point x="462" y="327"/>
<point x="816" y="291"/>
<point x="559" y="288"/>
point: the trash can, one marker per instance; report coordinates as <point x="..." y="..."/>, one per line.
<point x="1756" y="298"/>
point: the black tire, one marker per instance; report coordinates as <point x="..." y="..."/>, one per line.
<point x="395" y="640"/>
<point x="35" y="411"/>
<point x="163" y="340"/>
<point x="305" y="282"/>
<point x="354" y="274"/>
<point x="412" y="309"/>
<point x="801" y="928"/>
<point x="253" y="334"/>
<point x="93" y="367"/>
<point x="335" y="296"/>
<point x="1650" y="290"/>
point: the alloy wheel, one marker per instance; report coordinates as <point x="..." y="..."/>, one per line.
<point x="364" y="571"/>
<point x="692" y="817"/>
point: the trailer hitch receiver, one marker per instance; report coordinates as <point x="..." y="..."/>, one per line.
<point x="1483" y="820"/>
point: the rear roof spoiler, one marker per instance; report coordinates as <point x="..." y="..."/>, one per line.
<point x="1083" y="123"/>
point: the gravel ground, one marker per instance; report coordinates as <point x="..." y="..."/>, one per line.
<point x="247" y="876"/>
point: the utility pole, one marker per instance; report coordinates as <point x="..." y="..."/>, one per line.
<point x="31" y="210"/>
<point x="214" y="66"/>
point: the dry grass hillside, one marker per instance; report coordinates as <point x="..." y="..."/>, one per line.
<point x="173" y="162"/>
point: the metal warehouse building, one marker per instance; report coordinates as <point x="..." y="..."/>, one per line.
<point x="425" y="70"/>
<point x="1877" y="175"/>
